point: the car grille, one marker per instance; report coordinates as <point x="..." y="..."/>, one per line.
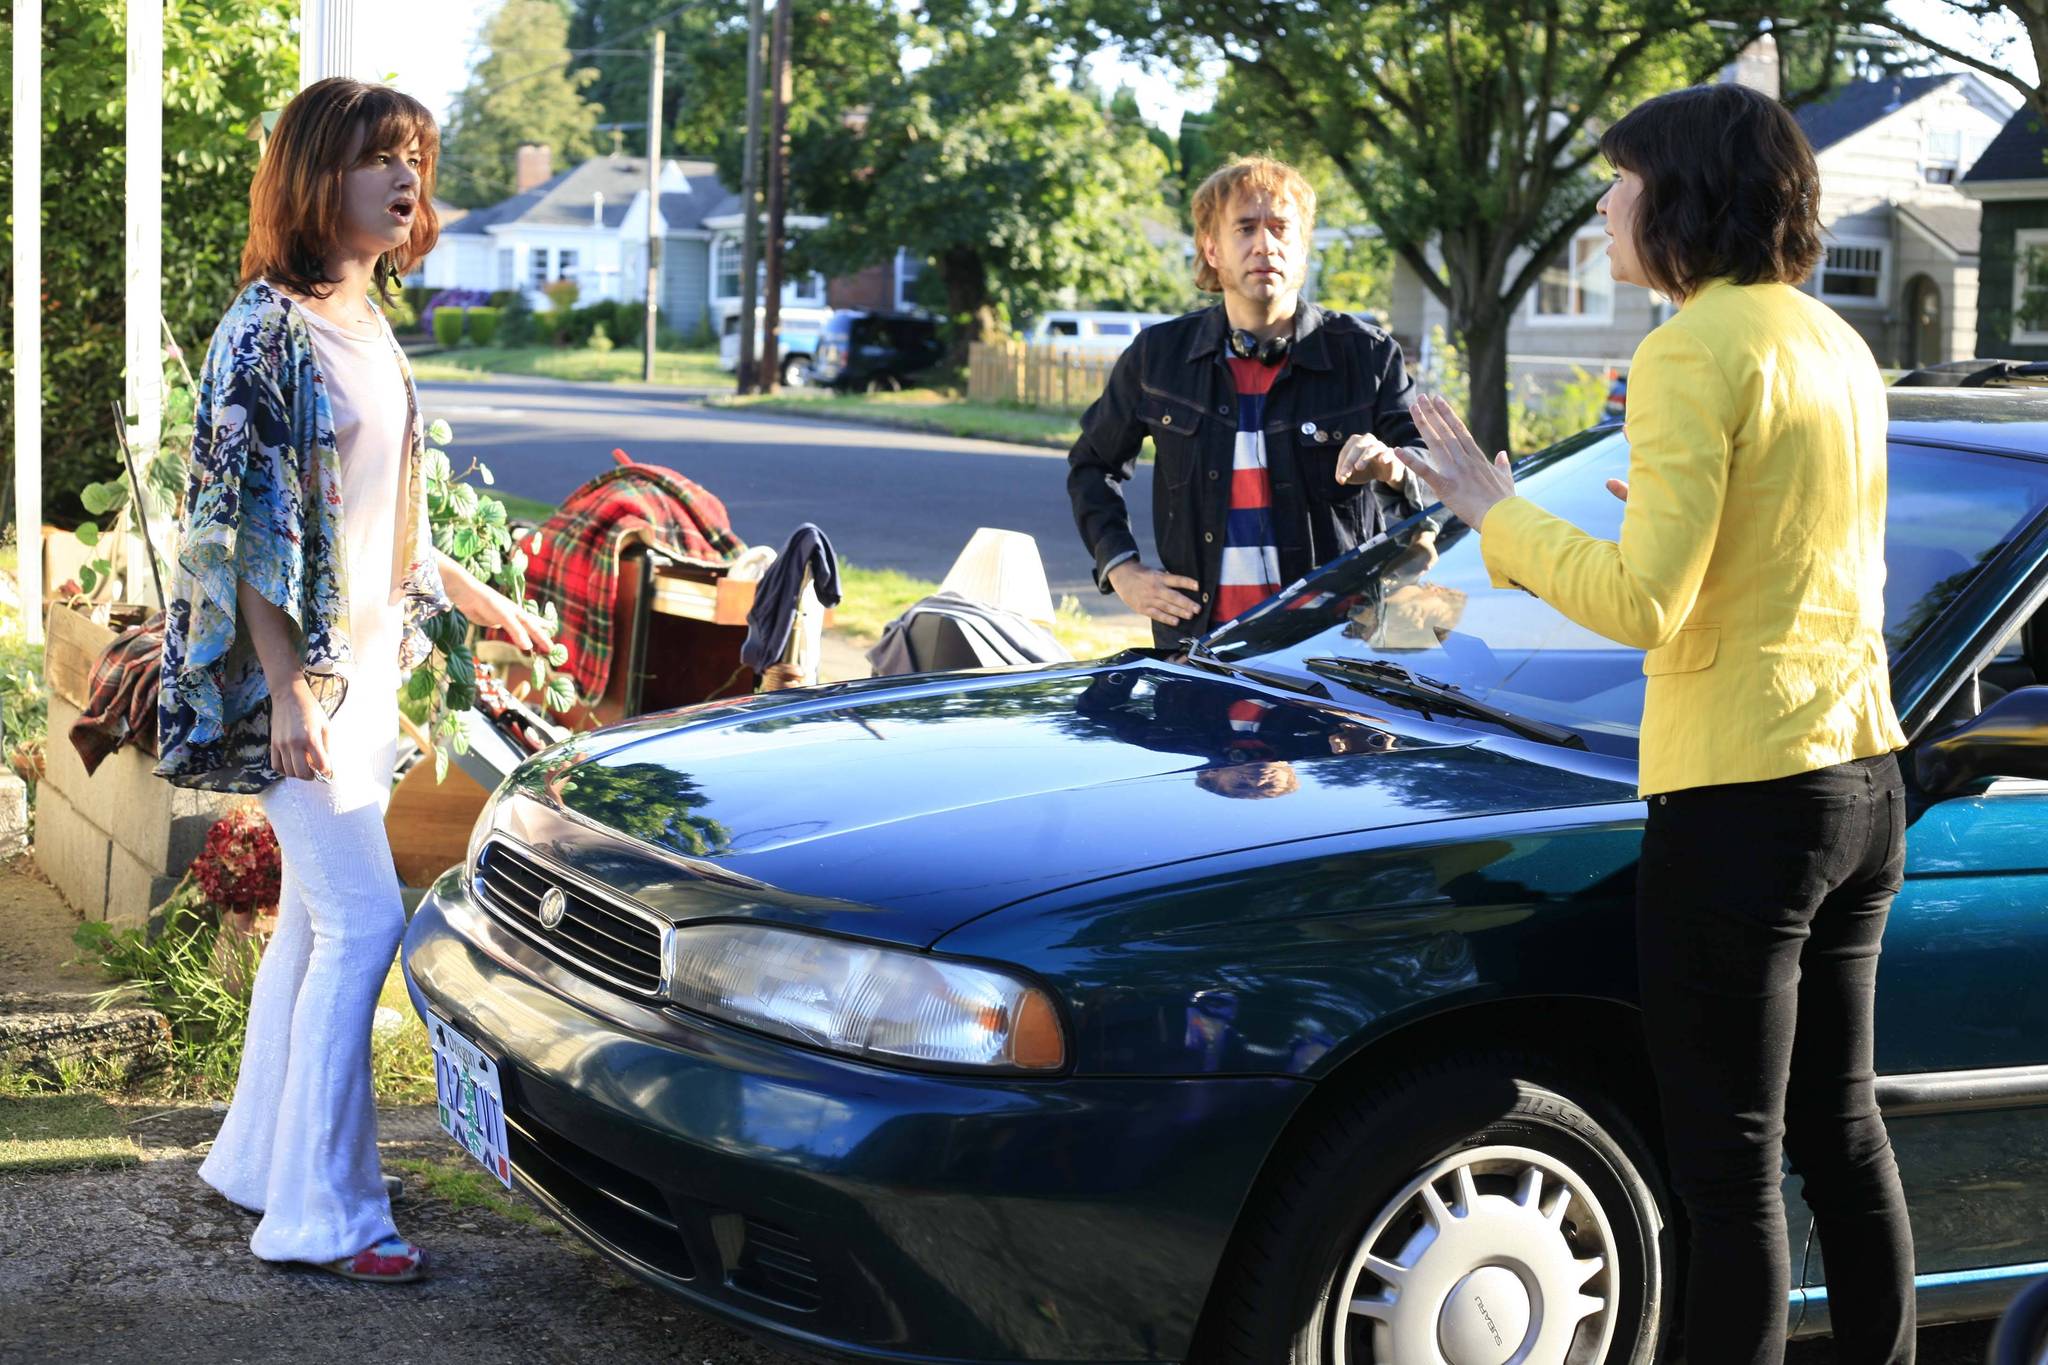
<point x="774" y="1265"/>
<point x="598" y="937"/>
<point x="625" y="1212"/>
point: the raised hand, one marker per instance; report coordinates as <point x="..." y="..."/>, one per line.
<point x="1454" y="466"/>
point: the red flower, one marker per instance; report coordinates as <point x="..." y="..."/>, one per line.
<point x="239" y="866"/>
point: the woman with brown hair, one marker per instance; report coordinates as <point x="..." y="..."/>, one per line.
<point x="304" y="573"/>
<point x="1751" y="569"/>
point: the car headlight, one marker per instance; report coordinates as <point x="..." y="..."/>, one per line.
<point x="865" y="1001"/>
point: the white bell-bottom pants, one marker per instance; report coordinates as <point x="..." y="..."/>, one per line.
<point x="300" y="1140"/>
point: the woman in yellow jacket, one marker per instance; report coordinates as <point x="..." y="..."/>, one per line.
<point x="1751" y="568"/>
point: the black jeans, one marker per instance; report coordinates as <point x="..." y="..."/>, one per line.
<point x="1759" y="910"/>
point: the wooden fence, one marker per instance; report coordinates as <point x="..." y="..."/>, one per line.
<point x="1035" y="376"/>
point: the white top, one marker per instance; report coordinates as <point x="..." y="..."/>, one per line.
<point x="366" y="391"/>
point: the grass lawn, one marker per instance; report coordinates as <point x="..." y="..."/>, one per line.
<point x="697" y="369"/>
<point x="934" y="410"/>
<point x="874" y="597"/>
<point x="53" y="1132"/>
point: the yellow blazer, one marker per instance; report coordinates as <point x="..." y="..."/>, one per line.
<point x="1751" y="560"/>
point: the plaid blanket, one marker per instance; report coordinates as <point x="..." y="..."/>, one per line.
<point x="121" y="693"/>
<point x="576" y="562"/>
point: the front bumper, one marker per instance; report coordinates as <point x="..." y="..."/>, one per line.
<point x="844" y="1208"/>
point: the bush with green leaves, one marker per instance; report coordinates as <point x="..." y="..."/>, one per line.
<point x="163" y="470"/>
<point x="483" y="325"/>
<point x="474" y="530"/>
<point x="448" y="327"/>
<point x="402" y="316"/>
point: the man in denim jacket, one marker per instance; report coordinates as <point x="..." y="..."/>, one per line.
<point x="1273" y="423"/>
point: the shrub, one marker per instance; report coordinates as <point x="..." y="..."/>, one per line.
<point x="416" y="297"/>
<point x="483" y="325"/>
<point x="629" y="320"/>
<point x="402" y="316"/>
<point x="562" y="294"/>
<point x="600" y="339"/>
<point x="449" y="298"/>
<point x="447" y="325"/>
<point x="506" y="298"/>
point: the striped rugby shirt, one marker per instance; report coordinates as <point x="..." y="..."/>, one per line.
<point x="1251" y="550"/>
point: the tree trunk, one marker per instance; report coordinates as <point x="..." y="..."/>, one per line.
<point x="1484" y="335"/>
<point x="968" y="306"/>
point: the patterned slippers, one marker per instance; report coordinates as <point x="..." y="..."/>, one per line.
<point x="391" y="1261"/>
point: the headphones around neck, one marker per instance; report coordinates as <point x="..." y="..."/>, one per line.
<point x="1246" y="345"/>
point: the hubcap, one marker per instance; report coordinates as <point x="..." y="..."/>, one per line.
<point x="1493" y="1256"/>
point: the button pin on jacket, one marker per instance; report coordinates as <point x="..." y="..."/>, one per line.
<point x="1166" y="420"/>
<point x="1308" y="428"/>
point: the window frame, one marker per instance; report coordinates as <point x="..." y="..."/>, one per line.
<point x="907" y="273"/>
<point x="1876" y="300"/>
<point x="1535" y="315"/>
<point x="2022" y="239"/>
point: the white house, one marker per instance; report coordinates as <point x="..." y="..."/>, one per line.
<point x="589" y="225"/>
<point x="1901" y="238"/>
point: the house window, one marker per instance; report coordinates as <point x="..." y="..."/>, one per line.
<point x="565" y="263"/>
<point x="1944" y="157"/>
<point x="805" y="291"/>
<point x="505" y="267"/>
<point x="908" y="268"/>
<point x="2030" y="286"/>
<point x="1853" y="273"/>
<point x="725" y="267"/>
<point x="1576" y="287"/>
<point x="537" y="266"/>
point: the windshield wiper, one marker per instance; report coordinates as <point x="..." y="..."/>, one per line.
<point x="1199" y="655"/>
<point x="1377" y="675"/>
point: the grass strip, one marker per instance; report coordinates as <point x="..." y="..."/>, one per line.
<point x="463" y="1185"/>
<point x="62" y="1132"/>
<point x="692" y="369"/>
<point x="875" y="597"/>
<point x="926" y="410"/>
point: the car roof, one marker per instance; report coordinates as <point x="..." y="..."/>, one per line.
<point x="2010" y="420"/>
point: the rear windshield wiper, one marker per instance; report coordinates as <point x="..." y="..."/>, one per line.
<point x="1377" y="675"/>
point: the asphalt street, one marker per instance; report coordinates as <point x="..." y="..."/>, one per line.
<point x="888" y="499"/>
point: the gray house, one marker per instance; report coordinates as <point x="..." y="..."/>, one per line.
<point x="1901" y="237"/>
<point x="2011" y="182"/>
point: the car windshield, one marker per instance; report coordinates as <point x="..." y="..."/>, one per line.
<point x="1433" y="611"/>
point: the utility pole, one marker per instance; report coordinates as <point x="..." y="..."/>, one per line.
<point x="778" y="195"/>
<point x="653" y="207"/>
<point x="750" y="200"/>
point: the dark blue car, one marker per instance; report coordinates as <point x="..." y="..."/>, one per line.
<point x="1277" y="1004"/>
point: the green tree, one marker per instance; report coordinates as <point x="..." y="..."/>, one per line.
<point x="1950" y="30"/>
<point x="1018" y="190"/>
<point x="1466" y="126"/>
<point x="525" y="88"/>
<point x="225" y="63"/>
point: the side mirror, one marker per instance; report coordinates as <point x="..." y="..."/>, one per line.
<point x="2009" y="738"/>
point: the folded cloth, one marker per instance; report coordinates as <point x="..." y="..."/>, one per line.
<point x="573" y="559"/>
<point x="946" y="631"/>
<point x="773" y="614"/>
<point x="121" y="693"/>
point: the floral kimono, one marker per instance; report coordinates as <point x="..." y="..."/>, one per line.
<point x="264" y="506"/>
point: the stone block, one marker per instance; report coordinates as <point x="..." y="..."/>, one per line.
<point x="159" y="824"/>
<point x="73" y="853"/>
<point x="13" y="814"/>
<point x="134" y="888"/>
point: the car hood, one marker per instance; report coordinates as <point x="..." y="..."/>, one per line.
<point x="898" y="810"/>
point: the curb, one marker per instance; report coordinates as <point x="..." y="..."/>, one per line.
<point x="887" y="424"/>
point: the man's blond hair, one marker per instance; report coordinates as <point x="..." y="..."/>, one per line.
<point x="1246" y="173"/>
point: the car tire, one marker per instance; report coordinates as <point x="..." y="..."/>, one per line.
<point x="1374" y="1199"/>
<point x="885" y="383"/>
<point x="796" y="372"/>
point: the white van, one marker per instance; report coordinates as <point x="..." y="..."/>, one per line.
<point x="1096" y="333"/>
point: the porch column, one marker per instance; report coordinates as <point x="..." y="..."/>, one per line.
<point x="28" y="307"/>
<point x="145" y="271"/>
<point x="327" y="40"/>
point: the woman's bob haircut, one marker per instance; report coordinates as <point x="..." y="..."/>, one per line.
<point x="327" y="130"/>
<point x="1730" y="189"/>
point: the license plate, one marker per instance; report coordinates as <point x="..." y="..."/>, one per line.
<point x="470" y="1097"/>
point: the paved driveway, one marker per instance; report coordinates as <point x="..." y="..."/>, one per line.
<point x="144" y="1264"/>
<point x="888" y="499"/>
